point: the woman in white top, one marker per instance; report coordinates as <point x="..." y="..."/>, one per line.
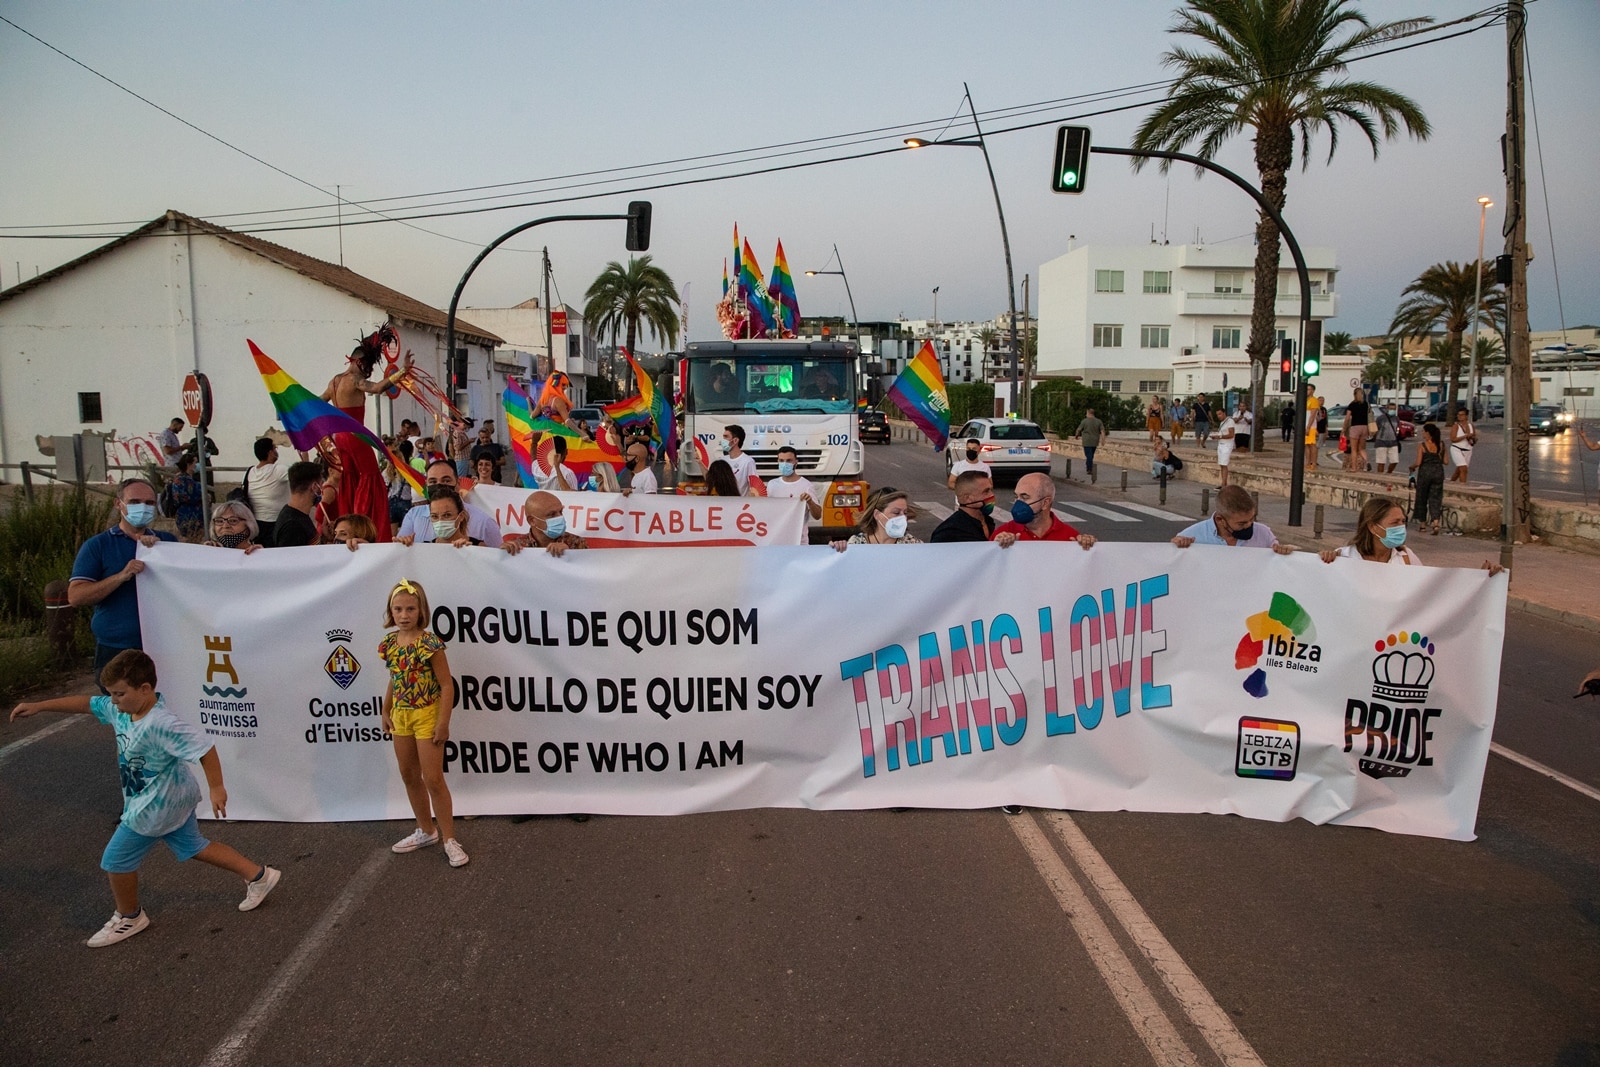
<point x="1463" y="435"/>
<point x="1381" y="537"/>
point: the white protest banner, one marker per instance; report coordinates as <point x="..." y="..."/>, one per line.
<point x="655" y="520"/>
<point x="1141" y="677"/>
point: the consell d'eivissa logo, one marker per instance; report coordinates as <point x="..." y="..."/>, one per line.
<point x="223" y="709"/>
<point x="1392" y="725"/>
<point x="346" y="719"/>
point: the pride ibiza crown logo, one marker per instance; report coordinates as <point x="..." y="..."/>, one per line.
<point x="1282" y="637"/>
<point x="1393" y="724"/>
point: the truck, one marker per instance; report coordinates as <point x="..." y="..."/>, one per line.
<point x="798" y="393"/>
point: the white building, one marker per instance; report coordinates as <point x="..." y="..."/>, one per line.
<point x="1157" y="319"/>
<point x="524" y="329"/>
<point x="104" y="342"/>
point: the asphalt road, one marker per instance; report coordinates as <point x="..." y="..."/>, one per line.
<point x="782" y="936"/>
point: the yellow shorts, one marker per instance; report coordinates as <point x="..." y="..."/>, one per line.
<point x="415" y="722"/>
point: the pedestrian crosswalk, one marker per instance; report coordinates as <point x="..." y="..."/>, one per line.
<point x="1079" y="511"/>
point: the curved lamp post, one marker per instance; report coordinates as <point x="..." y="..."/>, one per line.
<point x="855" y="323"/>
<point x="1484" y="204"/>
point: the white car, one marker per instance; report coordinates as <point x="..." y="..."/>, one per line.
<point x="1011" y="447"/>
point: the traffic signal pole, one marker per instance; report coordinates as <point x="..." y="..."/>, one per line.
<point x="1297" y="475"/>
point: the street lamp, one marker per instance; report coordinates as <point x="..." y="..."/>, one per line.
<point x="855" y="323"/>
<point x="1484" y="204"/>
<point x="1005" y="238"/>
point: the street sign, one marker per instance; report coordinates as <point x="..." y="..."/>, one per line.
<point x="197" y="400"/>
<point x="558" y="321"/>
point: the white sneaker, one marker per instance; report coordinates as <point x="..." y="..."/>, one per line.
<point x="414" y="840"/>
<point x="120" y="928"/>
<point x="255" y="892"/>
<point x="457" y="854"/>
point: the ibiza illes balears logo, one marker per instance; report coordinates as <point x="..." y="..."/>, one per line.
<point x="1393" y="724"/>
<point x="1283" y="637"/>
<point x="224" y="711"/>
<point x="341" y="664"/>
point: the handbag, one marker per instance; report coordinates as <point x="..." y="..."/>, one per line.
<point x="1344" y="443"/>
<point x="242" y="493"/>
<point x="1372" y="426"/>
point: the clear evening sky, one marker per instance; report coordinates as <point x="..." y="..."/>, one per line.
<point x="398" y="98"/>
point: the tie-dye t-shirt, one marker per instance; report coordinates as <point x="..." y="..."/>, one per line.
<point x="159" y="791"/>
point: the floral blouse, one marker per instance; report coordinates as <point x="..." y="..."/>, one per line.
<point x="411" y="669"/>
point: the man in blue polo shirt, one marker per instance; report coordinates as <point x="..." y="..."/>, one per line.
<point x="1234" y="525"/>
<point x="102" y="575"/>
<point x="480" y="524"/>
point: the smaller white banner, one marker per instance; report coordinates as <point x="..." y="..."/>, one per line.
<point x="656" y="520"/>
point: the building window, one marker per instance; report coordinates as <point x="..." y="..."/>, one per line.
<point x="1152" y="385"/>
<point x="1155" y="337"/>
<point x="1228" y="281"/>
<point x="1108" y="281"/>
<point x="1224" y="337"/>
<point x="1578" y="390"/>
<point x="89" y="407"/>
<point x="1158" y="281"/>
<point x="1110" y="385"/>
<point x="1107" y="336"/>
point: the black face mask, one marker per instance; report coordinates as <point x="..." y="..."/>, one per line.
<point x="1240" y="535"/>
<point x="972" y="453"/>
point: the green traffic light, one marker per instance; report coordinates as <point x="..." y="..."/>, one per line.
<point x="1069" y="177"/>
<point x="1311" y="366"/>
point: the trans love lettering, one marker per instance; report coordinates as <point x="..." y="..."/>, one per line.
<point x="969" y="682"/>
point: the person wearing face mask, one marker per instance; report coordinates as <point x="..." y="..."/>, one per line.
<point x="447" y="519"/>
<point x="1380" y="537"/>
<point x="295" y="526"/>
<point x="1234" y="525"/>
<point x="418" y="523"/>
<point x="1386" y="442"/>
<point x="547" y="527"/>
<point x="970" y="521"/>
<point x="968" y="461"/>
<point x="1090" y="430"/>
<point x="641" y="478"/>
<point x="789" y="485"/>
<point x="883" y="521"/>
<point x="233" y="525"/>
<point x="1032" y="518"/>
<point x="732" y="445"/>
<point x="103" y="572"/>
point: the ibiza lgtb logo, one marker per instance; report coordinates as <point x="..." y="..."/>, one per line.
<point x="341" y="664"/>
<point x="1393" y="724"/>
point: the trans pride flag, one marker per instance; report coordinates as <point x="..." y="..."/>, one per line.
<point x="785" y="302"/>
<point x="919" y="392"/>
<point x="307" y="418"/>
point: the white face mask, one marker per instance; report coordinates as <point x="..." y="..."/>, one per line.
<point x="895" y="527"/>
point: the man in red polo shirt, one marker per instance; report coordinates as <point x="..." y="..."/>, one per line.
<point x="1032" y="519"/>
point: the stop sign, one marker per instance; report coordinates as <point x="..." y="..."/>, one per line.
<point x="197" y="400"/>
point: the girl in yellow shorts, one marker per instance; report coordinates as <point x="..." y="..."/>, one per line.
<point x="416" y="711"/>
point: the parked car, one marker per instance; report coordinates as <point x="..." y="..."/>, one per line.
<point x="1011" y="447"/>
<point x="1496" y="407"/>
<point x="1545" y="419"/>
<point x="874" y="426"/>
<point x="590" y="415"/>
<point x="1442" y="412"/>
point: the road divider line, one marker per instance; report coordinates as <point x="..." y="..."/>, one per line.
<point x="1133" y="996"/>
<point x="938" y="511"/>
<point x="235" y="1047"/>
<point x="1533" y="765"/>
<point x="1197" y="1002"/>
<point x="38" y="735"/>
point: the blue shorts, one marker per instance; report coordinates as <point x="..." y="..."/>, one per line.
<point x="126" y="849"/>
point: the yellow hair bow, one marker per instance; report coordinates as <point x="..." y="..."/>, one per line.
<point x="405" y="585"/>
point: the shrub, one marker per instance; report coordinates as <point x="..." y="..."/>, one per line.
<point x="1059" y="406"/>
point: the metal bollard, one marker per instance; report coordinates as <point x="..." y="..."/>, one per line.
<point x="1069" y="469"/>
<point x="27" y="480"/>
<point x="1124" y="480"/>
<point x="1255" y="499"/>
<point x="1205" y="500"/>
<point x="1163" y="485"/>
<point x="1316" y="522"/>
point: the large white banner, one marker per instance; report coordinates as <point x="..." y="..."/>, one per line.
<point x="1140" y="677"/>
<point x="654" y="520"/>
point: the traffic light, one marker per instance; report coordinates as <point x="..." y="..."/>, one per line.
<point x="458" y="369"/>
<point x="1311" y="359"/>
<point x="1286" y="366"/>
<point x="638" y="226"/>
<point x="1072" y="159"/>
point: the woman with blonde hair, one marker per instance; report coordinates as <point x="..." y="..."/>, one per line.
<point x="233" y="525"/>
<point x="883" y="521"/>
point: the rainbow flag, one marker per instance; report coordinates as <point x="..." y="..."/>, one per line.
<point x="919" y="392"/>
<point x="724" y="275"/>
<point x="648" y="409"/>
<point x="755" y="294"/>
<point x="784" y="299"/>
<point x="518" y="406"/>
<point x="307" y="418"/>
<point x="581" y="454"/>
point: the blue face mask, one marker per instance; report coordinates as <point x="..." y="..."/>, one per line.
<point x="141" y="515"/>
<point x="1394" y="536"/>
<point x="726" y="445"/>
<point x="555" y="527"/>
<point x="1023" y="512"/>
<point x="785" y="469"/>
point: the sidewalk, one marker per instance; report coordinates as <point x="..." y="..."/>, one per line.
<point x="1553" y="583"/>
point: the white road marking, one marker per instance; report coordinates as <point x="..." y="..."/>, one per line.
<point x="1197" y="1003"/>
<point x="235" y="1047"/>
<point x="38" y="735"/>
<point x="938" y="511"/>
<point x="1066" y="516"/>
<point x="1104" y="513"/>
<point x="1532" y="765"/>
<point x="1146" y="509"/>
<point x="1133" y="996"/>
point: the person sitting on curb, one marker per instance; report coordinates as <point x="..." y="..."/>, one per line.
<point x="1165" y="460"/>
<point x="1234" y="525"/>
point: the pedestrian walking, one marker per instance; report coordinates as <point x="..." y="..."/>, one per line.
<point x="1090" y="430"/>
<point x="1428" y="477"/>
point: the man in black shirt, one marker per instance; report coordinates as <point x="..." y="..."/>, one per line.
<point x="488" y="447"/>
<point x="970" y="521"/>
<point x="295" y="526"/>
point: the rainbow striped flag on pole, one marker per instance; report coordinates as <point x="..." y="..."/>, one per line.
<point x="919" y="392"/>
<point x="786" y="304"/>
<point x="518" y="405"/>
<point x="307" y="418"/>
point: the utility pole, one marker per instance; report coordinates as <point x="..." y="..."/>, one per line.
<point x="1027" y="360"/>
<point x="1516" y="501"/>
<point x="549" y="346"/>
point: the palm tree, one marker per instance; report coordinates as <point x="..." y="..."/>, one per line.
<point x="1275" y="67"/>
<point x="1442" y="299"/>
<point x="622" y="299"/>
<point x="1336" y="341"/>
<point x="1412" y="374"/>
<point x="1379" y="367"/>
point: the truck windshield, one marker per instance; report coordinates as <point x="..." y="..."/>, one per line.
<point x="767" y="383"/>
